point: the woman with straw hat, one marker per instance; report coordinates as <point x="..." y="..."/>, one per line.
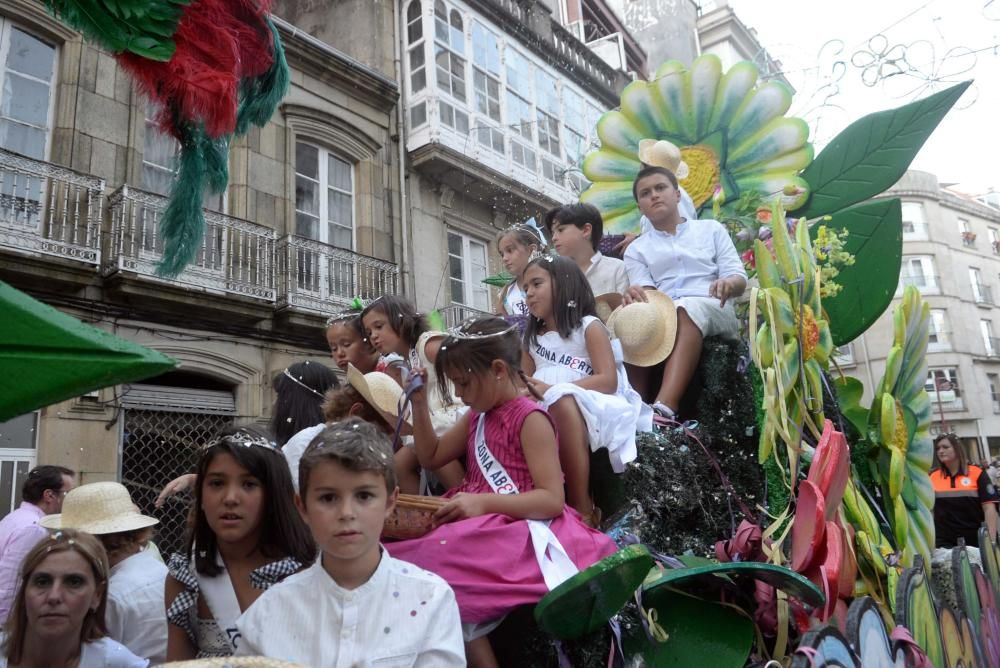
<point x="135" y="616"/>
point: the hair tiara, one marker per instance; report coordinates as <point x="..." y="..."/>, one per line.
<point x="298" y="381"/>
<point x="462" y="335"/>
<point x="529" y="225"/>
<point x="244" y="438"/>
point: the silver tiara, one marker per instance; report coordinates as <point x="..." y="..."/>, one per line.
<point x="460" y="333"/>
<point x="244" y="438"/>
<point x="298" y="381"/>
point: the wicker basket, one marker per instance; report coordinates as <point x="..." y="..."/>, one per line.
<point x="412" y="517"/>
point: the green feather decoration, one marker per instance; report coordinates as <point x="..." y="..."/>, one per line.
<point x="498" y="280"/>
<point x="260" y="96"/>
<point x="136" y="26"/>
<point x="182" y="225"/>
<point x="436" y="322"/>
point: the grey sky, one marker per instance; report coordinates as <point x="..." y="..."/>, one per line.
<point x="964" y="148"/>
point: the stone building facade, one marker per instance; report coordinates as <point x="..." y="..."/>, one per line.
<point x="951" y="253"/>
<point x="310" y="219"/>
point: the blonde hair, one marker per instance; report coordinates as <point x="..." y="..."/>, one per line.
<point x="65" y="540"/>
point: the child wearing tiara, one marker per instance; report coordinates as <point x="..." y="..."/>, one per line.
<point x="245" y="536"/>
<point x="506" y="536"/>
<point x="348" y="345"/>
<point x="403" y="336"/>
<point x="516" y="245"/>
<point x="574" y="373"/>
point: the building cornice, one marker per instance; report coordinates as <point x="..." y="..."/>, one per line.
<point x="948" y="200"/>
<point x="326" y="63"/>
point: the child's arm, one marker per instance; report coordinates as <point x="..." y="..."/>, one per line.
<point x="433" y="452"/>
<point x="538" y="440"/>
<point x="602" y="358"/>
<point x="179" y="647"/>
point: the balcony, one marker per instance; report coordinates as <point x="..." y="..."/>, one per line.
<point x="914" y="231"/>
<point x="969" y="239"/>
<point x="322" y="279"/>
<point x="50" y="210"/>
<point x="926" y="284"/>
<point x="982" y="294"/>
<point x="455" y="314"/>
<point x="236" y="256"/>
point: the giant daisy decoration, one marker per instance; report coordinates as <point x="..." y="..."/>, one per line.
<point x="731" y="130"/>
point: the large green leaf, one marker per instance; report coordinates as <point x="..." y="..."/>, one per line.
<point x="849" y="393"/>
<point x="873" y="152"/>
<point x="876" y="240"/>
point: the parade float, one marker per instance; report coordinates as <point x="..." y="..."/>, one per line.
<point x="786" y="523"/>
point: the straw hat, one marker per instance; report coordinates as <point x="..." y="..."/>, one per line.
<point x="382" y="393"/>
<point x="607" y="303"/>
<point x="99" y="508"/>
<point x="646" y="330"/>
<point x="232" y="662"/>
<point x="663" y="154"/>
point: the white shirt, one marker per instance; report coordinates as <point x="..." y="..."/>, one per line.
<point x="402" y="617"/>
<point x="136" y="615"/>
<point x="686" y="263"/>
<point x="296" y="446"/>
<point x="606" y="274"/>
<point x="103" y="653"/>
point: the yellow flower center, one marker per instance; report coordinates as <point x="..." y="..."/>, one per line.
<point x="703" y="172"/>
<point x="810" y="332"/>
<point x="900" y="437"/>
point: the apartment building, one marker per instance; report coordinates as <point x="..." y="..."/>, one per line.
<point x="951" y="253"/>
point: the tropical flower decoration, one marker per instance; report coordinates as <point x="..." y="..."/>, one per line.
<point x="792" y="346"/>
<point x="732" y="133"/>
<point x="899" y="427"/>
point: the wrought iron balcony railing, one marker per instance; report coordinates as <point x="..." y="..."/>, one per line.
<point x="236" y="256"/>
<point x="48" y="209"/>
<point x="316" y="277"/>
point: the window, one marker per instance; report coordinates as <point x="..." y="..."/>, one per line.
<point x="547" y="101"/>
<point x="844" y="355"/>
<point x="919" y="272"/>
<point x="520" y="115"/>
<point x="552" y="171"/>
<point x="453" y="118"/>
<point x="324" y="196"/>
<point x="159" y="162"/>
<point x="18" y="442"/>
<point x="449" y="52"/>
<point x="989" y="343"/>
<point x="980" y="293"/>
<point x="943" y="388"/>
<point x="415" y="42"/>
<point x="26" y="80"/>
<point x="466" y="271"/>
<point x="27" y="73"/>
<point x="995" y="240"/>
<point x="963" y="225"/>
<point x="994" y="382"/>
<point x="937" y="336"/>
<point x="965" y="229"/>
<point x="914" y="221"/>
<point x="486" y="83"/>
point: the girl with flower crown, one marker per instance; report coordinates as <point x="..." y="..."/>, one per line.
<point x="245" y="536"/>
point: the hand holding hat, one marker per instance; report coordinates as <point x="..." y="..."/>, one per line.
<point x="645" y="329"/>
<point x="382" y="393"/>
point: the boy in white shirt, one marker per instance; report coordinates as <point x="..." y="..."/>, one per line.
<point x="356" y="606"/>
<point x="696" y="264"/>
<point x="576" y="231"/>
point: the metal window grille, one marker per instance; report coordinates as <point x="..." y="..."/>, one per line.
<point x="158" y="446"/>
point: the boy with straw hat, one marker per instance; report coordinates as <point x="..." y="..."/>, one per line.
<point x="136" y="615"/>
<point x="695" y="263"/>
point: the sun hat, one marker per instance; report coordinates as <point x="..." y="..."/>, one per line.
<point x="382" y="393"/>
<point x="607" y="303"/>
<point x="646" y="330"/>
<point x="99" y="508"/>
<point x="661" y="153"/>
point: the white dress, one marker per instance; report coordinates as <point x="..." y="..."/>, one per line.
<point x="612" y="419"/>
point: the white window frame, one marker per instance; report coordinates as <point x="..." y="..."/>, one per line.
<point x="924" y="280"/>
<point x="454" y="47"/>
<point x="470" y="287"/>
<point x="25" y="457"/>
<point x="322" y="181"/>
<point x="6" y="26"/>
<point x="949" y="399"/>
<point x="938" y="329"/>
<point x="914" y="221"/>
<point x="986" y="331"/>
<point x="993" y="380"/>
<point x="486" y="74"/>
<point x="980" y="291"/>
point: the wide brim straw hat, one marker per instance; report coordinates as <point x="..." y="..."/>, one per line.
<point x="99" y="508"/>
<point x="646" y="330"/>
<point x="382" y="393"/>
<point x="661" y="153"/>
<point x="606" y="304"/>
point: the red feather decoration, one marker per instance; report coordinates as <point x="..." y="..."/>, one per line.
<point x="218" y="43"/>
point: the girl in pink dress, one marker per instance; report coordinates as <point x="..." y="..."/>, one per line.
<point x="506" y="537"/>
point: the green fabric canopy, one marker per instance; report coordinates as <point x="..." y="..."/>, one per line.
<point x="47" y="356"/>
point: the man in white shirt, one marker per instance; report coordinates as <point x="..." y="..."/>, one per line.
<point x="356" y="606"/>
<point x="576" y="231"/>
<point x="696" y="264"/>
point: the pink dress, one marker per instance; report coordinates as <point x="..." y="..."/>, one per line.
<point x="489" y="560"/>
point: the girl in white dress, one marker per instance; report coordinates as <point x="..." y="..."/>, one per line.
<point x="246" y="536"/>
<point x="516" y="245"/>
<point x="574" y="372"/>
